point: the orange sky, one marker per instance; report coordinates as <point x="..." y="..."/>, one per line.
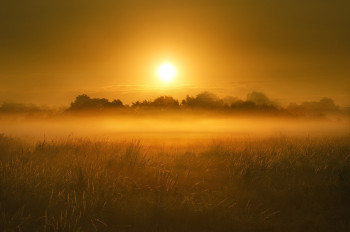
<point x="291" y="50"/>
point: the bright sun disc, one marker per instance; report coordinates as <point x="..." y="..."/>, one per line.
<point x="166" y="72"/>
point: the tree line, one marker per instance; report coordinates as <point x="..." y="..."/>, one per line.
<point x="254" y="102"/>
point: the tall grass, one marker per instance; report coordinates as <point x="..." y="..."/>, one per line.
<point x="268" y="184"/>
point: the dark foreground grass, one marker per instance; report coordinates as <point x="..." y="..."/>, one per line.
<point x="275" y="184"/>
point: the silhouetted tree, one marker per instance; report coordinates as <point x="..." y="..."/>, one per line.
<point x="81" y="102"/>
<point x="7" y="107"/>
<point x="85" y="102"/>
<point x="203" y="100"/>
<point x="144" y="103"/>
<point x="259" y="98"/>
<point x="243" y="105"/>
<point x="325" y="105"/>
<point x="160" y="102"/>
<point x="165" y="102"/>
<point x="117" y="103"/>
<point x="256" y="102"/>
<point x="229" y="100"/>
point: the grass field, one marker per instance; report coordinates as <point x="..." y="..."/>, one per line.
<point x="278" y="183"/>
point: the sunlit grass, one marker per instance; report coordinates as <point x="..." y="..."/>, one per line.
<point x="268" y="184"/>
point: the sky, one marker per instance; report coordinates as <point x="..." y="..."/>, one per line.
<point x="51" y="51"/>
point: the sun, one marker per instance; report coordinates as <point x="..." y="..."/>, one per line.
<point x="166" y="72"/>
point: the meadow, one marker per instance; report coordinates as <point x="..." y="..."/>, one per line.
<point x="271" y="183"/>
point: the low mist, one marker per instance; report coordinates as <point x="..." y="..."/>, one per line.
<point x="175" y="127"/>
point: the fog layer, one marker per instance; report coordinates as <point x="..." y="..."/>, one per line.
<point x="177" y="127"/>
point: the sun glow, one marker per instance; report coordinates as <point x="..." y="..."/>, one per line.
<point x="166" y="72"/>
